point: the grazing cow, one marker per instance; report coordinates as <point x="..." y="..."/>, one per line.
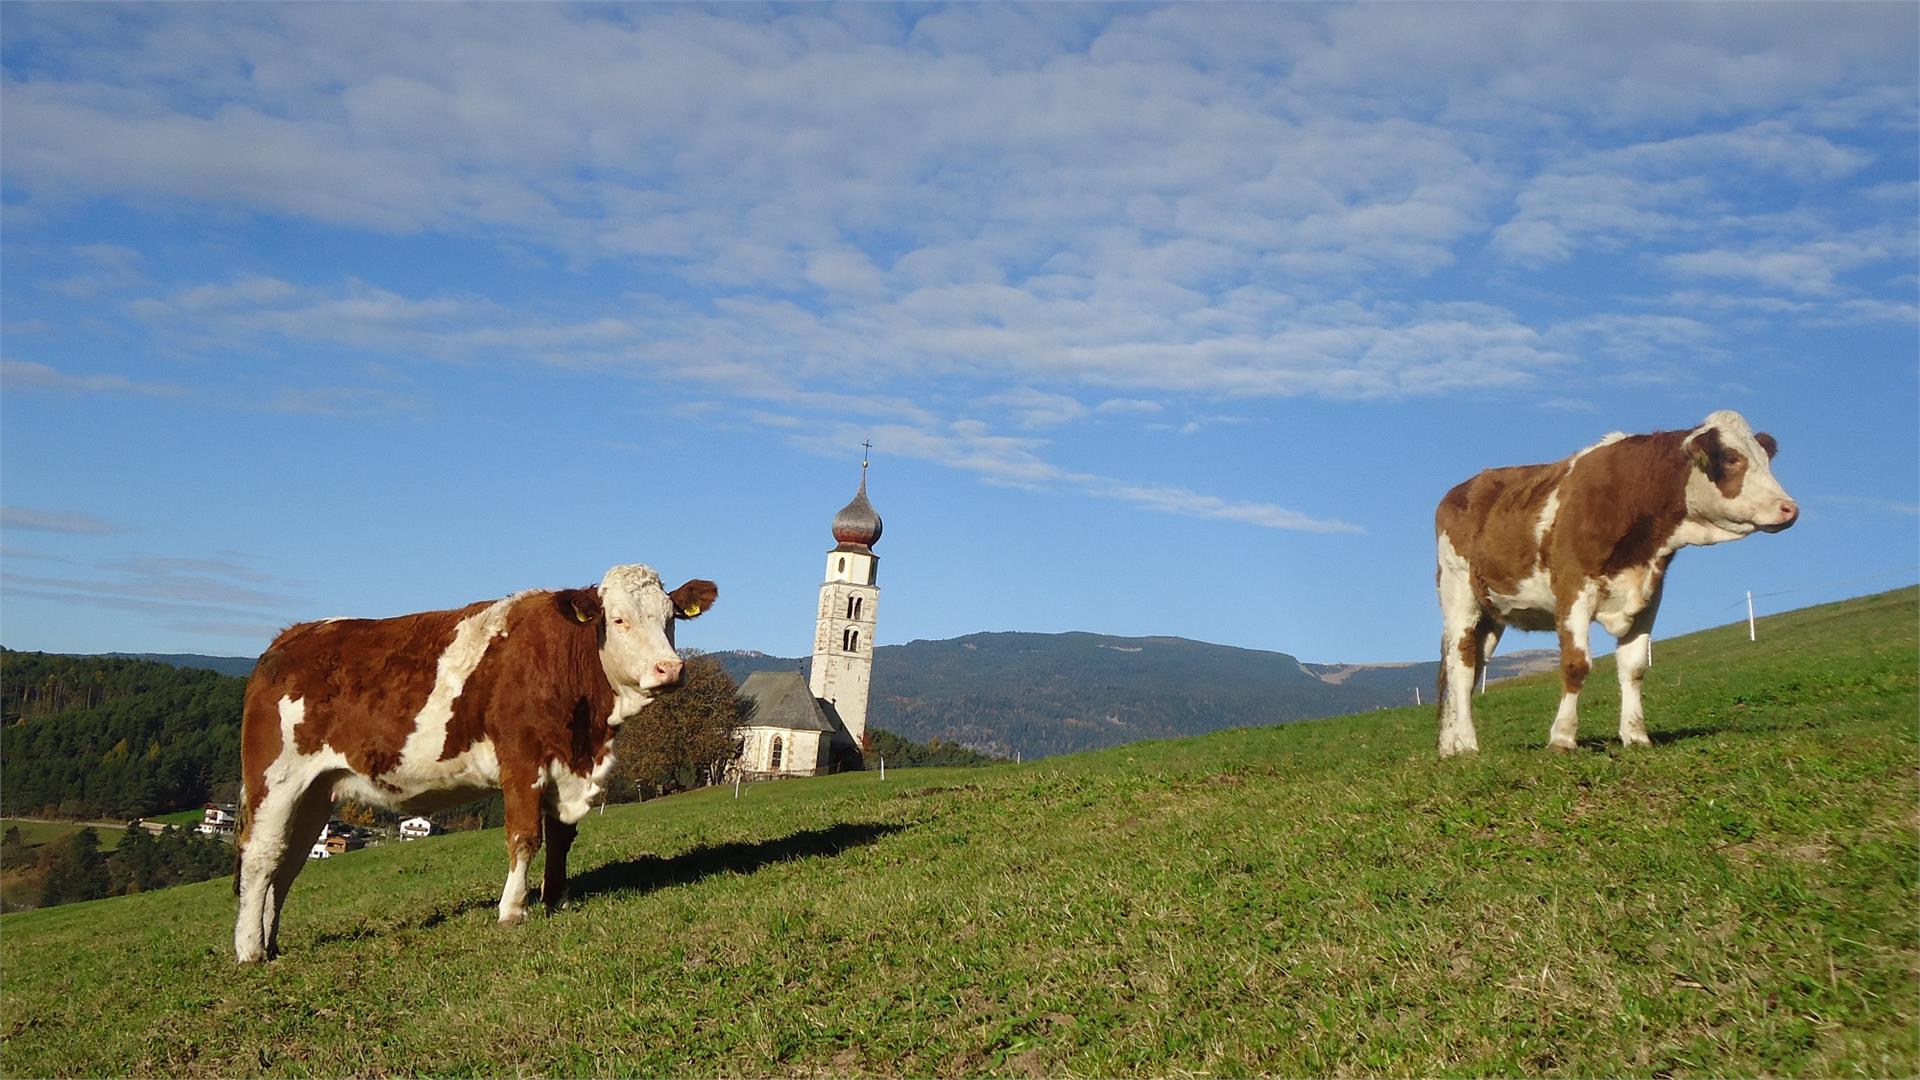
<point x="1559" y="546"/>
<point x="422" y="712"/>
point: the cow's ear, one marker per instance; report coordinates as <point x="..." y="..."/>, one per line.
<point x="694" y="597"/>
<point x="1703" y="447"/>
<point x="1768" y="444"/>
<point x="580" y="605"/>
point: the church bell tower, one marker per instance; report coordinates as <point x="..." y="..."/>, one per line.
<point x="843" y="635"/>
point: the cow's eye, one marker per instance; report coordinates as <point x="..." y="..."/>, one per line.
<point x="619" y="622"/>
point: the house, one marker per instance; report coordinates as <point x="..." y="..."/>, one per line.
<point x="219" y="819"/>
<point x="341" y="843"/>
<point x="337" y="838"/>
<point x="417" y="828"/>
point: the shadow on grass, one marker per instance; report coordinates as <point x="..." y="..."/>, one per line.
<point x="650" y="872"/>
<point x="1606" y="744"/>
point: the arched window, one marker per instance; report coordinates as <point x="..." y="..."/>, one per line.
<point x="853" y="606"/>
<point x="850" y="641"/>
<point x="773" y="759"/>
<point x="859" y="607"/>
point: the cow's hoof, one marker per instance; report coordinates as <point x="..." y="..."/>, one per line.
<point x="1562" y="748"/>
<point x="514" y="918"/>
<point x="1635" y="740"/>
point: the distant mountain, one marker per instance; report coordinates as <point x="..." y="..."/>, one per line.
<point x="1041" y="694"/>
<point x="241" y="666"/>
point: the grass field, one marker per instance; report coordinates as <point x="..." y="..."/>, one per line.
<point x="1322" y="898"/>
<point x="40" y="833"/>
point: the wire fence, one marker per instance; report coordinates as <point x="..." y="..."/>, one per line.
<point x="1880" y="576"/>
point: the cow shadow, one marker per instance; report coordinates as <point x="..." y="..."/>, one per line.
<point x="647" y="873"/>
<point x="650" y="872"/>
<point x="1610" y="744"/>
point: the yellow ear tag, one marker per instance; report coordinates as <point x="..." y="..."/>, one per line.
<point x="581" y="616"/>
<point x="690" y="610"/>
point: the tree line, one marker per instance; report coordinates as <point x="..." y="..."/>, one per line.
<point x="74" y="868"/>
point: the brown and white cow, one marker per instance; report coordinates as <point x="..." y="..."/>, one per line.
<point x="1560" y="546"/>
<point x="421" y="712"/>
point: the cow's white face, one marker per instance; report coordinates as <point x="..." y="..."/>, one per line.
<point x="1731" y="488"/>
<point x="636" y="620"/>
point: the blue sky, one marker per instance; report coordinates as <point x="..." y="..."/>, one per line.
<point x="1162" y="320"/>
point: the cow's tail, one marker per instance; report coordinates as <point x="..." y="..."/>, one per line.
<point x="240" y="831"/>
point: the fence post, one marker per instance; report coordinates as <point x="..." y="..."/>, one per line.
<point x="1751" y="636"/>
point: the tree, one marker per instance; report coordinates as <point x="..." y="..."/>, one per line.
<point x="75" y="870"/>
<point x="135" y="865"/>
<point x="686" y="737"/>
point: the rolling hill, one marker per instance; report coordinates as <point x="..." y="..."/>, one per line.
<point x="1319" y="898"/>
<point x="1041" y="694"/>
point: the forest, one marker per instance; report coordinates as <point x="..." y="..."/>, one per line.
<point x="94" y="737"/>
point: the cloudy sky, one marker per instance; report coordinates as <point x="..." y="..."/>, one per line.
<point x="1162" y="320"/>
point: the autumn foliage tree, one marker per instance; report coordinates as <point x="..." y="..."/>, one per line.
<point x="684" y="739"/>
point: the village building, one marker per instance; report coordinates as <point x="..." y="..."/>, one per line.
<point x="219" y="819"/>
<point x="817" y="725"/>
<point x="416" y="828"/>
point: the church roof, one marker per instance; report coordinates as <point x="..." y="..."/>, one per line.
<point x="782" y="699"/>
<point x="857" y="525"/>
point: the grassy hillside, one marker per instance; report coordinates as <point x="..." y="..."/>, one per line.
<point x="1318" y="898"/>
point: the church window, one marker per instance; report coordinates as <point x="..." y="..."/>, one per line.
<point x="773" y="759"/>
<point x="859" y="607"/>
<point x="852" y="606"/>
<point x="843" y="564"/>
<point x="850" y="640"/>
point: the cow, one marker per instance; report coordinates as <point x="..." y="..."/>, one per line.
<point x="1585" y="539"/>
<point x="421" y="712"/>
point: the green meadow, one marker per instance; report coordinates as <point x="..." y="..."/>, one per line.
<point x="1314" y="899"/>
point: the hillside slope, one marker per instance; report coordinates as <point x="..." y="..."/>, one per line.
<point x="1310" y="899"/>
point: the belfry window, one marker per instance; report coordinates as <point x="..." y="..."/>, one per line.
<point x="853" y="605"/>
<point x="850" y="640"/>
<point x="859" y="607"/>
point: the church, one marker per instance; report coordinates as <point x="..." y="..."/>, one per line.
<point x="812" y="725"/>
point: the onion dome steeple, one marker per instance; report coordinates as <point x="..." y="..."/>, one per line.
<point x="857" y="525"/>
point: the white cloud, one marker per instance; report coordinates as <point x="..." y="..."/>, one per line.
<point x="24" y="375"/>
<point x="1036" y="409"/>
<point x="972" y="446"/>
<point x="72" y="522"/>
<point x="1810" y="268"/>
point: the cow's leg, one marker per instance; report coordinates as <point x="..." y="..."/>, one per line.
<point x="1575" y="662"/>
<point x="1490" y="632"/>
<point x="1633" y="657"/>
<point x="523" y="795"/>
<point x="553" y="889"/>
<point x="310" y="814"/>
<point x="1460" y="619"/>
<point x="271" y="853"/>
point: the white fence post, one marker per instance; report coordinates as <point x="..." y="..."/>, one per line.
<point x="1751" y="635"/>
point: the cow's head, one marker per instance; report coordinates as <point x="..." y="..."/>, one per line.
<point x="633" y="618"/>
<point x="1731" y="487"/>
